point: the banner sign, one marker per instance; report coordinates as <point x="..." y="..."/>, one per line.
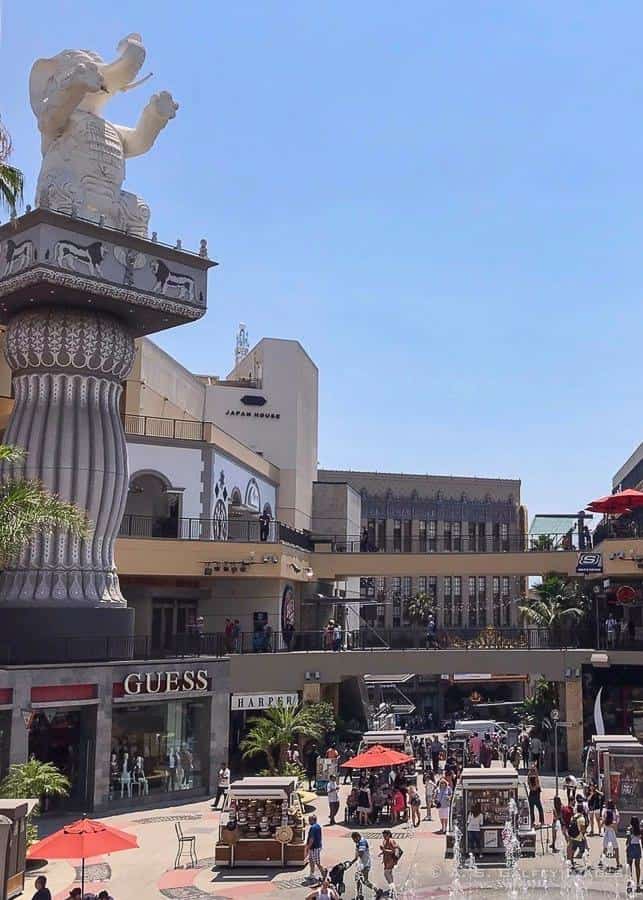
<point x="239" y="702"/>
<point x="589" y="563"/>
<point x="27" y="716"/>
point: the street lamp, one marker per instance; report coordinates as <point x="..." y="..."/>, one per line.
<point x="555" y="715"/>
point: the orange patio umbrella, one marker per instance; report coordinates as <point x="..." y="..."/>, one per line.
<point x="377" y="756"/>
<point x="80" y="840"/>
<point x="615" y="504"/>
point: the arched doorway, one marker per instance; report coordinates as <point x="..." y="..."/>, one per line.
<point x="153" y="507"/>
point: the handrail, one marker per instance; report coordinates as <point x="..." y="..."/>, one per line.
<point x="187" y="528"/>
<point x="512" y="542"/>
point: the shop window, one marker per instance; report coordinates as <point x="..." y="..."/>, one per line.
<point x="422" y="536"/>
<point x="496" y="537"/>
<point x="407" y="586"/>
<point x="447" y="536"/>
<point x="433" y="586"/>
<point x="432" y="535"/>
<point x="406" y="530"/>
<point x="457" y="535"/>
<point x="371" y="531"/>
<point x="473" y="544"/>
<point x="170" y="620"/>
<point x="504" y="536"/>
<point x="66" y="738"/>
<point x="159" y="748"/>
<point x="482" y="536"/>
<point x="422" y="584"/>
<point x="381" y="534"/>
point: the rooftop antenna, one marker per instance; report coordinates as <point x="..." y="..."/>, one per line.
<point x="242" y="346"/>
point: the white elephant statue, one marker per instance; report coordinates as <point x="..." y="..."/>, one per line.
<point x="83" y="155"/>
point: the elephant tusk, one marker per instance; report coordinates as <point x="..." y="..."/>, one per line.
<point x="135" y="84"/>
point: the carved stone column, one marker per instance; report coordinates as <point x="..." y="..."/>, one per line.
<point x="68" y="365"/>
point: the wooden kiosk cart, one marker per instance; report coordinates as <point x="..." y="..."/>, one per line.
<point x="493" y="789"/>
<point x="262" y="824"/>
<point x="615" y="763"/>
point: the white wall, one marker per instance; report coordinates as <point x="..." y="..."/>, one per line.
<point x="182" y="466"/>
<point x="238" y="476"/>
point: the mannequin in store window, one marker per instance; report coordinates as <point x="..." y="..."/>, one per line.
<point x="138" y="775"/>
<point x="172" y="765"/>
<point x="188" y="765"/>
<point x="126" y="775"/>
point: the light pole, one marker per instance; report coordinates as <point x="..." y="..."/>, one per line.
<point x="555" y="715"/>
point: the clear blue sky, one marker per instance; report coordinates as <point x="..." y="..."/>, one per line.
<point x="443" y="201"/>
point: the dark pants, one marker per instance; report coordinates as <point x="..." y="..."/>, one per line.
<point x="535" y="804"/>
<point x="474" y="841"/>
<point x="435" y="761"/>
<point x="221" y="792"/>
<point x="333" y="809"/>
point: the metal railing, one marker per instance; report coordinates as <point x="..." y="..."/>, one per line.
<point x="518" y="542"/>
<point x="174" y="429"/>
<point x="100" y="648"/>
<point x="242" y="531"/>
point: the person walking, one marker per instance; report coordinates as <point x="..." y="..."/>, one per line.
<point x="535" y="751"/>
<point x="610" y="631"/>
<point x="390" y="853"/>
<point x="576" y="840"/>
<point x="535" y="791"/>
<point x="223" y="783"/>
<point x="633" y="849"/>
<point x="436" y="750"/>
<point x="595" y="807"/>
<point x="348" y="774"/>
<point x="362" y="857"/>
<point x="332" y="792"/>
<point x="571" y="785"/>
<point x="557" y="823"/>
<point x="415" y="802"/>
<point x="474" y="829"/>
<point x="42" y="891"/>
<point x="429" y="792"/>
<point x="442" y="801"/>
<point x="314" y="848"/>
<point x="611" y="818"/>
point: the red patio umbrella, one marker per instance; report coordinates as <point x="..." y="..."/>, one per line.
<point x="617" y="503"/>
<point x="82" y="839"/>
<point x="377" y="756"/>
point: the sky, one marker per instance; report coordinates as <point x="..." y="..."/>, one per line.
<point x="442" y="201"/>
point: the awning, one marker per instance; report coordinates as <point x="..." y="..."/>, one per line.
<point x="553" y="525"/>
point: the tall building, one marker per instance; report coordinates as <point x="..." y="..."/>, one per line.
<point x="435" y="513"/>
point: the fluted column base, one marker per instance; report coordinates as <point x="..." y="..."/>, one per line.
<point x="67" y="367"/>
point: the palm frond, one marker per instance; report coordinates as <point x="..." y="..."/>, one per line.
<point x="11" y="187"/>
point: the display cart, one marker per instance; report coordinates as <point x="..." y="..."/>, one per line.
<point x="262" y="824"/>
<point x="457" y="746"/>
<point x="615" y="763"/>
<point x="493" y="789"/>
<point x="395" y="739"/>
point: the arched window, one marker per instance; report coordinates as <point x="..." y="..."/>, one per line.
<point x="153" y="507"/>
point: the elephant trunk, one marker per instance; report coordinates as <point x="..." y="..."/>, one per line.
<point x="119" y="74"/>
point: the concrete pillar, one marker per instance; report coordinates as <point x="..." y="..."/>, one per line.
<point x="572" y="702"/>
<point x="67" y="369"/>
<point x="19" y="742"/>
<point x="103" y="747"/>
<point x="219" y="733"/>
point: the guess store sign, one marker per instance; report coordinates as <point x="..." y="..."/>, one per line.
<point x="170" y="682"/>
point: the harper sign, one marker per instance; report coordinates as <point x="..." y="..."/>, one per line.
<point x="263" y="701"/>
<point x="165" y="682"/>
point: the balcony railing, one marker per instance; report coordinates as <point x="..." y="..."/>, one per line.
<point x="194" y="529"/>
<point x="100" y="648"/>
<point x="517" y="542"/>
<point x="174" y="429"/>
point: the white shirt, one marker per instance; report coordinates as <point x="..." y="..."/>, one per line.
<point x="224" y="777"/>
<point x="333" y="795"/>
<point x="474" y="823"/>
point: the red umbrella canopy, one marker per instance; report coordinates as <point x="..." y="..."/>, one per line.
<point x="82" y="839"/>
<point x="377" y="756"/>
<point x="617" y="503"/>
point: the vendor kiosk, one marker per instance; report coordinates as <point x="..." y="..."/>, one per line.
<point x="502" y="798"/>
<point x="262" y="824"/>
<point x="325" y="768"/>
<point x="457" y="746"/>
<point x="615" y="763"/>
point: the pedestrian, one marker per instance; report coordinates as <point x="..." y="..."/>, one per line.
<point x="311" y="767"/>
<point x="475" y="744"/>
<point x="557" y="823"/>
<point x="325" y="891"/>
<point x="236" y="635"/>
<point x="337" y="637"/>
<point x="631" y="632"/>
<point x="576" y="840"/>
<point x="314" y="848"/>
<point x="42" y="891"/>
<point x="474" y="829"/>
<point x="264" y="525"/>
<point x="415" y="802"/>
<point x="535" y="751"/>
<point x="436" y="750"/>
<point x="332" y="792"/>
<point x="611" y="819"/>
<point x="429" y="792"/>
<point x="75" y="894"/>
<point x="633" y="849"/>
<point x="442" y="801"/>
<point x="570" y="787"/>
<point x="103" y="895"/>
<point x="535" y="791"/>
<point x="223" y="783"/>
<point x="595" y="807"/>
<point x="364" y="805"/>
<point x="485" y="752"/>
<point x="350" y="753"/>
<point x="362" y="857"/>
<point x="390" y="853"/>
<point x="610" y="631"/>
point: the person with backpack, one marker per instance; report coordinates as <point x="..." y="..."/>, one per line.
<point x="633" y="849"/>
<point x="576" y="840"/>
<point x="610" y="819"/>
<point x="534" y="795"/>
<point x="391" y="854"/>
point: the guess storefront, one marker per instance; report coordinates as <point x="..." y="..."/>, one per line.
<point x="125" y="734"/>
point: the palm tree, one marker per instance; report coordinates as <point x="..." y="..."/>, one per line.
<point x="272" y="733"/>
<point x="11" y="179"/>
<point x="28" y="509"/>
<point x="34" y="780"/>
<point x="419" y="608"/>
<point x="558" y="600"/>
